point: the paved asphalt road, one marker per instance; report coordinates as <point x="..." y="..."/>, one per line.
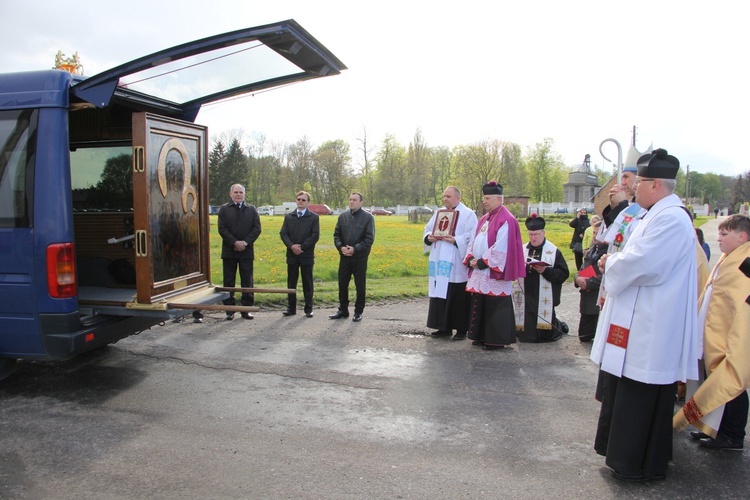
<point x="313" y="408"/>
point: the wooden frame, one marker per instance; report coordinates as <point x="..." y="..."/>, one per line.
<point x="445" y="223"/>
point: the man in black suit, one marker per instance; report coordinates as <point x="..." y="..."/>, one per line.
<point x="300" y="232"/>
<point x="353" y="237"/>
<point x="239" y="227"/>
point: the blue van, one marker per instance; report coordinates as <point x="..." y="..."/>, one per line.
<point x="104" y="227"/>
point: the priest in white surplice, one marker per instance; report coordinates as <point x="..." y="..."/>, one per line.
<point x="647" y="336"/>
<point x="449" y="301"/>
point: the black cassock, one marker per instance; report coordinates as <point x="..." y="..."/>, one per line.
<point x="555" y="274"/>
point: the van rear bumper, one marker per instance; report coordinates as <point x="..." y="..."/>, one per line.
<point x="64" y="337"/>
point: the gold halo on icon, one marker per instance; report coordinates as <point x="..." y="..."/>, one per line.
<point x="161" y="172"/>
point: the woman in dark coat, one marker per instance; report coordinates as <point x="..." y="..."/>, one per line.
<point x="579" y="225"/>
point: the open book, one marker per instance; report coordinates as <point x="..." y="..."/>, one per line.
<point x="536" y="263"/>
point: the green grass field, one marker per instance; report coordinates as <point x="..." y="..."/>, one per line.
<point x="397" y="266"/>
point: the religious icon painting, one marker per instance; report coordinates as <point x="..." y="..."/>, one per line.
<point x="445" y="223"/>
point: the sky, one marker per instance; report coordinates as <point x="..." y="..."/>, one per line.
<point x="458" y="73"/>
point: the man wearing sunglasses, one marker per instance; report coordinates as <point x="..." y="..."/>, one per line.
<point x="300" y="232"/>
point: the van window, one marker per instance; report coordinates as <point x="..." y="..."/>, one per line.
<point x="17" y="153"/>
<point x="102" y="179"/>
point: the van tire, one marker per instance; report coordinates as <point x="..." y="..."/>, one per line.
<point x="7" y="367"/>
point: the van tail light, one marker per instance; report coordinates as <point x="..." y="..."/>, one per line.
<point x="61" y="270"/>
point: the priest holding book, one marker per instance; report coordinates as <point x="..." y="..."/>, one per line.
<point x="536" y="296"/>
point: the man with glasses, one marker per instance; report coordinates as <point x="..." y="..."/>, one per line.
<point x="300" y="232"/>
<point x="546" y="271"/>
<point x="647" y="335"/>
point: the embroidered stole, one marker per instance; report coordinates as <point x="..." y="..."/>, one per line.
<point x="617" y="235"/>
<point x="440" y="266"/>
<point x="544" y="300"/>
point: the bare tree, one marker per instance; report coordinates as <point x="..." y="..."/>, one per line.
<point x="514" y="176"/>
<point x="300" y="163"/>
<point x="390" y="181"/>
<point x="478" y="164"/>
<point x="418" y="170"/>
<point x="367" y="170"/>
<point x="442" y="173"/>
<point x="332" y="178"/>
<point x="545" y="168"/>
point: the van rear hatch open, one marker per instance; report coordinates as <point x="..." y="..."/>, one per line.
<point x="113" y="168"/>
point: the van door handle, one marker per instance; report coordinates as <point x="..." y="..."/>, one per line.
<point x="138" y="159"/>
<point x="141" y="249"/>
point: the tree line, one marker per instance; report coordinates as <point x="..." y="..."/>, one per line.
<point x="390" y="173"/>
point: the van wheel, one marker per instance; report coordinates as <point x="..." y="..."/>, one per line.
<point x="7" y="367"/>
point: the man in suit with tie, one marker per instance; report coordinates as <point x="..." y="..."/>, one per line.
<point x="300" y="232"/>
<point x="239" y="227"/>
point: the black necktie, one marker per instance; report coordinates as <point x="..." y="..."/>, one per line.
<point x="299" y="214"/>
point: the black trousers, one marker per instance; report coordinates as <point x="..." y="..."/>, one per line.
<point x="587" y="326"/>
<point x="292" y="274"/>
<point x="734" y="420"/>
<point x="246" y="279"/>
<point x="579" y="260"/>
<point x="349" y="267"/>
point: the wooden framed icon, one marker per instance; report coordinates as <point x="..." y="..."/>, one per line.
<point x="445" y="223"/>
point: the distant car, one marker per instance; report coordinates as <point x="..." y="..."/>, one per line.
<point x="423" y="210"/>
<point x="381" y="211"/>
<point x="561" y="210"/>
<point x="213" y="209"/>
<point x="265" y="210"/>
<point x="320" y="209"/>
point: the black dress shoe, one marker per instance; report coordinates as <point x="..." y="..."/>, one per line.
<point x="699" y="435"/>
<point x="310" y="314"/>
<point x="248" y="316"/>
<point x="289" y="313"/>
<point x="477" y="343"/>
<point x="339" y="315"/>
<point x="564" y="327"/>
<point x="492" y="347"/>
<point x="722" y="443"/>
<point x="230" y="316"/>
<point x="440" y="333"/>
<point x="357" y="317"/>
<point x="459" y="336"/>
<point x="637" y="479"/>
